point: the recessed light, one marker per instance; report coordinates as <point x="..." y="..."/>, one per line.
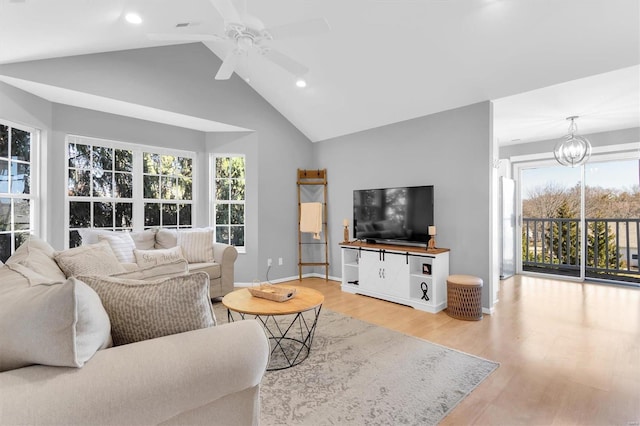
<point x="133" y="18"/>
<point x="301" y="82"/>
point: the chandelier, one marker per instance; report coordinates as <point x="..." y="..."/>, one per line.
<point x="573" y="150"/>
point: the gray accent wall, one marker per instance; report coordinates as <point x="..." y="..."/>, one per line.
<point x="178" y="79"/>
<point x="451" y="150"/>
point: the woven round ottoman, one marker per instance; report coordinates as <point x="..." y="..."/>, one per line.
<point x="464" y="297"/>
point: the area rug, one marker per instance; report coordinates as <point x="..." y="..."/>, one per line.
<point x="359" y="373"/>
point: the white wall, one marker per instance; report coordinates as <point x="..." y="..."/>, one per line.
<point x="451" y="150"/>
<point x="615" y="137"/>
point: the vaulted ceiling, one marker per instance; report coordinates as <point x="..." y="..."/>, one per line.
<point x="382" y="61"/>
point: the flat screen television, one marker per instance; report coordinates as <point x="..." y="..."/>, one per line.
<point x="396" y="215"/>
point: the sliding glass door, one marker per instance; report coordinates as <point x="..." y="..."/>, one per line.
<point x="581" y="222"/>
<point x="612" y="215"/>
<point x="551" y="212"/>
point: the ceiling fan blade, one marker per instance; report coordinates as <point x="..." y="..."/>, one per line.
<point x="226" y="9"/>
<point x="227" y="67"/>
<point x="284" y="61"/>
<point x="185" y="37"/>
<point x="300" y="29"/>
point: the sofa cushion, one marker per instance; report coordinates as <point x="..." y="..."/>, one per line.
<point x="141" y="310"/>
<point x="37" y="255"/>
<point x="212" y="269"/>
<point x="166" y="238"/>
<point x="92" y="259"/>
<point x="146" y="258"/>
<point x="197" y="245"/>
<point x="15" y="274"/>
<point x="45" y="322"/>
<point x="144" y="240"/>
<point x="122" y="245"/>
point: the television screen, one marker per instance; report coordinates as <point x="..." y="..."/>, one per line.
<point x="400" y="215"/>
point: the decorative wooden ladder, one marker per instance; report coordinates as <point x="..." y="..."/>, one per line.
<point x="313" y="177"/>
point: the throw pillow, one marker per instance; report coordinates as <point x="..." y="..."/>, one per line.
<point x="141" y="310"/>
<point x="166" y="238"/>
<point x="59" y="324"/>
<point x="144" y="240"/>
<point x="122" y="245"/>
<point x="146" y="258"/>
<point x="90" y="235"/>
<point x="178" y="267"/>
<point x="37" y="255"/>
<point x="92" y="259"/>
<point x="197" y="246"/>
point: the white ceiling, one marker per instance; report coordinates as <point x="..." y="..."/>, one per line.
<point x="384" y="61"/>
<point x="604" y="102"/>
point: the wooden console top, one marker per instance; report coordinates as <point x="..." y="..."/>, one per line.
<point x="394" y="247"/>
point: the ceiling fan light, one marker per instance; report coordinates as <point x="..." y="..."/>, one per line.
<point x="244" y="43"/>
<point x="133" y="18"/>
<point x="301" y="82"/>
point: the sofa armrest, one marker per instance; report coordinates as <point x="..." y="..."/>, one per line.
<point x="225" y="255"/>
<point x="146" y="382"/>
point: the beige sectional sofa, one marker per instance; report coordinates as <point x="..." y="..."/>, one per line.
<point x="170" y="365"/>
<point x="220" y="267"/>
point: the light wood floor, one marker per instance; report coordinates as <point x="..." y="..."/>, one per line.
<point x="569" y="352"/>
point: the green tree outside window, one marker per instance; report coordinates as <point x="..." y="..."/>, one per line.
<point x="229" y="198"/>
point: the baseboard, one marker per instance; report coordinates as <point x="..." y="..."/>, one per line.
<point x="318" y="275"/>
<point x="294" y="278"/>
<point x="488" y="311"/>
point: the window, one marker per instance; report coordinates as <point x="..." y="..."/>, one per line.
<point x="118" y="186"/>
<point x="168" y="190"/>
<point x="100" y="188"/>
<point x="229" y="198"/>
<point x="18" y="194"/>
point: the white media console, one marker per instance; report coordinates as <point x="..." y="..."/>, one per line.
<point x="412" y="276"/>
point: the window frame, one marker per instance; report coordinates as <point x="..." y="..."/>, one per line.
<point x="214" y="200"/>
<point x="137" y="199"/>
<point x="174" y="201"/>
<point x="34" y="196"/>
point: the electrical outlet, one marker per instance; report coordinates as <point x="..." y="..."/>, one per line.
<point x="269" y="262"/>
<point x="279" y="261"/>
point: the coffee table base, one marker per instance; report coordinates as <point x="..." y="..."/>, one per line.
<point x="290" y="341"/>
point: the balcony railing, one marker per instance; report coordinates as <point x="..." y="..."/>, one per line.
<point x="553" y="246"/>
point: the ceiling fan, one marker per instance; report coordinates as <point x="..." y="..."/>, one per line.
<point x="247" y="33"/>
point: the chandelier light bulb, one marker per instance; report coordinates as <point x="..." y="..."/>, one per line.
<point x="133" y="18"/>
<point x="573" y="150"/>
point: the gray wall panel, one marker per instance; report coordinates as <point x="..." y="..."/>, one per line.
<point x="450" y="150"/>
<point x="180" y="79"/>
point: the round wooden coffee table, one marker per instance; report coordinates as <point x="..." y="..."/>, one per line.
<point x="290" y="338"/>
